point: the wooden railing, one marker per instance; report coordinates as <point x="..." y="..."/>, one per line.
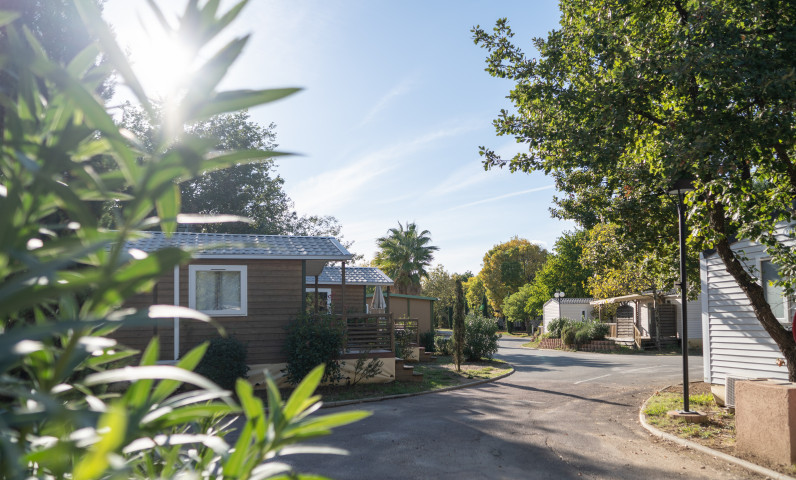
<point x="409" y="325"/>
<point x="612" y="330"/>
<point x="367" y="332"/>
<point x="637" y="336"/>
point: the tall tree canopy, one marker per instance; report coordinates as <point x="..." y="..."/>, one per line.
<point x="250" y="190"/>
<point x="404" y="253"/>
<point x="628" y="96"/>
<point x="507" y="267"/>
<point x="442" y="285"/>
<point x="562" y="271"/>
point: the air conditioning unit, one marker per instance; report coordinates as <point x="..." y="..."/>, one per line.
<point x="729" y="390"/>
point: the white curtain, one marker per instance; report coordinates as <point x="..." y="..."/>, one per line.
<point x="217" y="291"/>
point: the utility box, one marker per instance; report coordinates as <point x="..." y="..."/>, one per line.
<point x="765" y="420"/>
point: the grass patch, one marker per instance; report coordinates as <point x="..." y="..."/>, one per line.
<point x="438" y="374"/>
<point x="515" y="334"/>
<point x="718" y="432"/>
<point x="533" y="343"/>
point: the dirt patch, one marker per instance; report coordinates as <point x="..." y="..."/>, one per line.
<point x="717" y="433"/>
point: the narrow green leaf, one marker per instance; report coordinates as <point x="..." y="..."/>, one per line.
<point x="7" y="17"/>
<point x="297" y="401"/>
<point x="168" y="206"/>
<point x="188" y="362"/>
<point x="233" y="101"/>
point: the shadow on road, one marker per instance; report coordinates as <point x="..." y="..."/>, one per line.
<point x="561" y="394"/>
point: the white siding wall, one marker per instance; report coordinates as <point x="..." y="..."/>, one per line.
<point x="694" y="312"/>
<point x="568" y="310"/>
<point x="549" y="312"/>
<point x="735" y="343"/>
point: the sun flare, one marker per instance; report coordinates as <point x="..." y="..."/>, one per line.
<point x="162" y="63"/>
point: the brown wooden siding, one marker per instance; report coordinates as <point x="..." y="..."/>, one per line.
<point x="413" y="308"/>
<point x="274" y="297"/>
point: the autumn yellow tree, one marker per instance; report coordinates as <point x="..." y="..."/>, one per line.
<point x="507" y="267"/>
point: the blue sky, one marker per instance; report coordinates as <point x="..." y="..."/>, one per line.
<point x="395" y="105"/>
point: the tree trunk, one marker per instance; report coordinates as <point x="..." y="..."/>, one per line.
<point x="754" y="292"/>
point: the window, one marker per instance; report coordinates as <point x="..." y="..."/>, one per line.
<point x="324" y="300"/>
<point x="218" y="290"/>
<point x="774" y="294"/>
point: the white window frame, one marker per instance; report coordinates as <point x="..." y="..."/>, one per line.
<point x="786" y="301"/>
<point x="243" y="269"/>
<point x="327" y="291"/>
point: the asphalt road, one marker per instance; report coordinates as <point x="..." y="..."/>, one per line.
<point x="560" y="415"/>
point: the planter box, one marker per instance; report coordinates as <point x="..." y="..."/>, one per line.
<point x="765" y="420"/>
<point x="593" y="346"/>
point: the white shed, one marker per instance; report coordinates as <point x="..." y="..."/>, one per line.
<point x="573" y="308"/>
<point x="671" y="313"/>
<point x="734" y="342"/>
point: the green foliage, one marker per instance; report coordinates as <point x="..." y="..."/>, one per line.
<point x="598" y="330"/>
<point x="224" y="362"/>
<point x="562" y="271"/>
<point x="314" y="340"/>
<point x="507" y="267"/>
<point x="365" y="369"/>
<point x="404" y="254"/>
<point x="582" y="336"/>
<point x="404" y="343"/>
<point x="568" y="335"/>
<point x="475" y="294"/>
<point x="441" y="285"/>
<point x="616" y="117"/>
<point x="427" y="341"/>
<point x="63" y="277"/>
<point x="458" y="326"/>
<point x="555" y="326"/>
<point x="443" y="345"/>
<point x="481" y="337"/>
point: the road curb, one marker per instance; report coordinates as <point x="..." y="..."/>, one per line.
<point x="342" y="403"/>
<point x="709" y="451"/>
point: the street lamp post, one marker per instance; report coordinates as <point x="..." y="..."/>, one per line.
<point x="679" y="189"/>
<point x="559" y="296"/>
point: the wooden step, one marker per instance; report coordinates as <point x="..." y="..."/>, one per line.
<point x="406" y="373"/>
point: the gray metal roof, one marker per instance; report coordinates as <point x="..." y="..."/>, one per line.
<point x="570" y="300"/>
<point x="332" y="275"/>
<point x="222" y="245"/>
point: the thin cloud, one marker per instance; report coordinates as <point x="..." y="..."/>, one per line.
<point x="402" y="88"/>
<point x="501" y="197"/>
<point x="325" y="192"/>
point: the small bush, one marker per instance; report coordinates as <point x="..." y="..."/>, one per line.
<point x="443" y="345"/>
<point x="582" y="336"/>
<point x="403" y="344"/>
<point x="599" y="330"/>
<point x="568" y="336"/>
<point x="480" y="337"/>
<point x="556" y="325"/>
<point x="427" y="341"/>
<point x="224" y="362"/>
<point x="365" y="369"/>
<point x="312" y="341"/>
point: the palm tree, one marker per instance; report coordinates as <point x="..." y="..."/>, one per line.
<point x="404" y="255"/>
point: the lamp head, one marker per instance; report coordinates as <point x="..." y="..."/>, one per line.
<point x="680" y="186"/>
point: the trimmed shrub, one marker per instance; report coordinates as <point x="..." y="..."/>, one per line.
<point x="224" y="362"/>
<point x="582" y="336"/>
<point x="312" y="341"/>
<point x="427" y="341"/>
<point x="599" y="330"/>
<point x="480" y="337"/>
<point x="403" y="344"/>
<point x="443" y="345"/>
<point x="568" y="336"/>
<point x="556" y="325"/>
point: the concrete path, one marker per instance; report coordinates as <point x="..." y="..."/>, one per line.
<point x="561" y="415"/>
